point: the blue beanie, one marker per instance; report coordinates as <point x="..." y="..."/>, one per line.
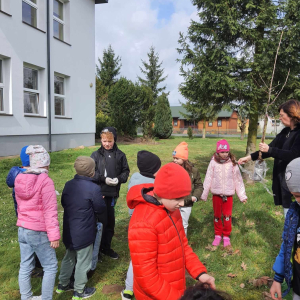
<point x="24" y="157"/>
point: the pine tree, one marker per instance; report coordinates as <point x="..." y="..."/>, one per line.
<point x="153" y="72"/>
<point x="229" y="54"/>
<point x="163" y="118"/>
<point x="109" y="67"/>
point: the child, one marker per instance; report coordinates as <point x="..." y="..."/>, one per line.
<point x="81" y="200"/>
<point x="223" y="179"/>
<point x="37" y="221"/>
<point x="287" y="263"/>
<point x="15" y="171"/>
<point x="148" y="164"/>
<point x="203" y="292"/>
<point x="180" y="157"/>
<point x="158" y="245"/>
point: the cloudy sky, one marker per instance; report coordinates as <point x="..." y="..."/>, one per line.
<point x="132" y="26"/>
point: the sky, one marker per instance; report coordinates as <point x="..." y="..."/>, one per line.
<point x="132" y="27"/>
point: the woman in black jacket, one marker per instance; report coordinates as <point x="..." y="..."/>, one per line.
<point x="284" y="148"/>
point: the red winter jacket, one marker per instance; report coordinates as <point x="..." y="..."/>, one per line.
<point x="159" y="248"/>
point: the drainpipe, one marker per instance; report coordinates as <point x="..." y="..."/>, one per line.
<point x="49" y="75"/>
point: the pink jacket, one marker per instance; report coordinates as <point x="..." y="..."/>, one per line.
<point x="37" y="204"/>
<point x="223" y="179"/>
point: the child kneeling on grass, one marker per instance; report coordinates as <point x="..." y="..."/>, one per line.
<point x="158" y="245"/>
<point x="81" y="200"/>
<point x="287" y="263"/>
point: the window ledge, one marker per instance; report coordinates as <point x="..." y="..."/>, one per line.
<point x="5" y="114"/>
<point x="34" y="116"/>
<point x="1" y="11"/>
<point x="34" y="27"/>
<point x="62" y="117"/>
<point x="62" y="41"/>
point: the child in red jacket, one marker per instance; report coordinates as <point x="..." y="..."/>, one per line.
<point x="158" y="245"/>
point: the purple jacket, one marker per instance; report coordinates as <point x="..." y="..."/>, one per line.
<point x="37" y="204"/>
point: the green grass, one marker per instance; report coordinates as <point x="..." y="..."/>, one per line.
<point x="256" y="232"/>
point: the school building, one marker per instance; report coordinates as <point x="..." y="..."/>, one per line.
<point x="47" y="74"/>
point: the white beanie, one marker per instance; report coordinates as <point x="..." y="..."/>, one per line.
<point x="38" y="156"/>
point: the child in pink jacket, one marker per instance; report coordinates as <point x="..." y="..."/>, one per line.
<point x="38" y="223"/>
<point x="223" y="179"/>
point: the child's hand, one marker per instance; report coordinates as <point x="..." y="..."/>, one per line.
<point x="244" y="201"/>
<point x="205" y="278"/>
<point x="194" y="199"/>
<point x="54" y="244"/>
<point x="276" y="289"/>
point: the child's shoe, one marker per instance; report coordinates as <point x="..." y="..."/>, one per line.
<point x="226" y="241"/>
<point x="87" y="293"/>
<point x="126" y="294"/>
<point x="217" y="240"/>
<point x="61" y="289"/>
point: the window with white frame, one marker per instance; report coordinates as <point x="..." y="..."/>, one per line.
<point x="210" y="124"/>
<point x="220" y="123"/>
<point x="59" y="95"/>
<point x="58" y="19"/>
<point x="1" y="87"/>
<point x="175" y="122"/>
<point x="29" y="12"/>
<point x="31" y="91"/>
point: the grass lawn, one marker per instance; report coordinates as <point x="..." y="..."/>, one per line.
<point x="256" y="230"/>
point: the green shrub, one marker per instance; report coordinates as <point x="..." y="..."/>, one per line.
<point x="102" y="120"/>
<point x="190" y="133"/>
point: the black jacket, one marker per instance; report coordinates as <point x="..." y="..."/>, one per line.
<point x="81" y="200"/>
<point x="284" y="148"/>
<point x="122" y="170"/>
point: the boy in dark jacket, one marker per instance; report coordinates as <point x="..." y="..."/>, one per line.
<point x="81" y="200"/>
<point x="110" y="172"/>
<point x="290" y="248"/>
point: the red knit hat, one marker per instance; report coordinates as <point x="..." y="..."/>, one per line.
<point x="172" y="182"/>
<point x="181" y="151"/>
<point x="222" y="146"/>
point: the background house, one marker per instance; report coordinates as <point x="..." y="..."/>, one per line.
<point x="273" y="126"/>
<point x="47" y="74"/>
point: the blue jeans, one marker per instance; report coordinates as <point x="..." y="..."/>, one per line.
<point x="36" y="242"/>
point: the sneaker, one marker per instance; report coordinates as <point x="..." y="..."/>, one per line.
<point x="87" y="293"/>
<point x="226" y="241"/>
<point x="127" y="294"/>
<point x="61" y="289"/>
<point x="111" y="253"/>
<point x="217" y="240"/>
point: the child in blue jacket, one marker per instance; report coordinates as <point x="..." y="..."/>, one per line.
<point x="15" y="171"/>
<point x="287" y="263"/>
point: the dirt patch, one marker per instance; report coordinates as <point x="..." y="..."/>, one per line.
<point x="112" y="289"/>
<point x="124" y="140"/>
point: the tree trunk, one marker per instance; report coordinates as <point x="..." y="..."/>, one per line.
<point x="252" y="131"/>
<point x="204" y="129"/>
<point x="243" y="132"/>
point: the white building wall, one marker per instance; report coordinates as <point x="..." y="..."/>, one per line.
<point x="19" y="44"/>
<point x="271" y="127"/>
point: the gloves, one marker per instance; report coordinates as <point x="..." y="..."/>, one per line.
<point x="111" y="182"/>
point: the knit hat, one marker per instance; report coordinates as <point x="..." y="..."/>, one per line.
<point x="181" y="151"/>
<point x="148" y="163"/>
<point x="112" y="130"/>
<point x="172" y="182"/>
<point x="292" y="175"/>
<point x="38" y="156"/>
<point x="85" y="166"/>
<point x="24" y="157"/>
<point x="222" y="146"/>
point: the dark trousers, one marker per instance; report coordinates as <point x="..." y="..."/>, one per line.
<point x="108" y="225"/>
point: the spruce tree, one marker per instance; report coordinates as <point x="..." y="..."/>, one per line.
<point x="109" y="67"/>
<point x="163" y="118"/>
<point x="153" y="73"/>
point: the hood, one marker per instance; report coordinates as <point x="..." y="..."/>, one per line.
<point x="135" y="195"/>
<point x="137" y="179"/>
<point x="27" y="185"/>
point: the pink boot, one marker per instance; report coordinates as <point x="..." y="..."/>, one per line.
<point x="217" y="240"/>
<point x="226" y="241"/>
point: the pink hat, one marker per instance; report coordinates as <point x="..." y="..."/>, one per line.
<point x="222" y="146"/>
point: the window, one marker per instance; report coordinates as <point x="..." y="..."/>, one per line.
<point x="31" y="94"/>
<point x="29" y="12"/>
<point x="219" y="123"/>
<point x="59" y="95"/>
<point x="175" y="122"/>
<point x="210" y="124"/>
<point x="58" y="19"/>
<point x="1" y="87"/>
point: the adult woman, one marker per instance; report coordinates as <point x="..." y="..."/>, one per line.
<point x="284" y="148"/>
